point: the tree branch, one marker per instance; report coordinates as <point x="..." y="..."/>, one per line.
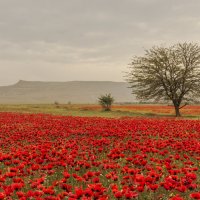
<point x="183" y="105"/>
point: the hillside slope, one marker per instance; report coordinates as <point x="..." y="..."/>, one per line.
<point x="64" y="92"/>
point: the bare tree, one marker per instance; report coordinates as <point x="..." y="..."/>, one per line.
<point x="171" y="73"/>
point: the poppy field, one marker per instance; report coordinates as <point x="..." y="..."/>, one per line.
<point x="58" y="157"/>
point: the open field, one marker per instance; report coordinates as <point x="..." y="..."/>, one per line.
<point x="81" y="152"/>
<point x="60" y="157"/>
<point x="190" y="111"/>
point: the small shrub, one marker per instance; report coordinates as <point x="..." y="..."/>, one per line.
<point x="106" y="101"/>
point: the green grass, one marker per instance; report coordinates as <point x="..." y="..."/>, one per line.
<point x="66" y="110"/>
<point x="81" y="110"/>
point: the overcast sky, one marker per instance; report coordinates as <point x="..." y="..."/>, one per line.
<point x="64" y="40"/>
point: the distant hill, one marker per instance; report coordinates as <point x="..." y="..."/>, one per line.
<point x="27" y="92"/>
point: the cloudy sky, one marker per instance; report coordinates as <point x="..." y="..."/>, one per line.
<point x="64" y="40"/>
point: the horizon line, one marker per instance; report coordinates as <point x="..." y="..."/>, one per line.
<point x="61" y="81"/>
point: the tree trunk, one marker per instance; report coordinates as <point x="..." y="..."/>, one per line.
<point x="178" y="114"/>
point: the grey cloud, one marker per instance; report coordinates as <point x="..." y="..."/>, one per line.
<point x="79" y="35"/>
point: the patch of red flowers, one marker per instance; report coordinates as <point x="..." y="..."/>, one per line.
<point x="55" y="157"/>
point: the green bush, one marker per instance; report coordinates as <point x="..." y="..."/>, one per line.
<point x="106" y="101"/>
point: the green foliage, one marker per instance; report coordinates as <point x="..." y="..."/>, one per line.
<point x="106" y="101"/>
